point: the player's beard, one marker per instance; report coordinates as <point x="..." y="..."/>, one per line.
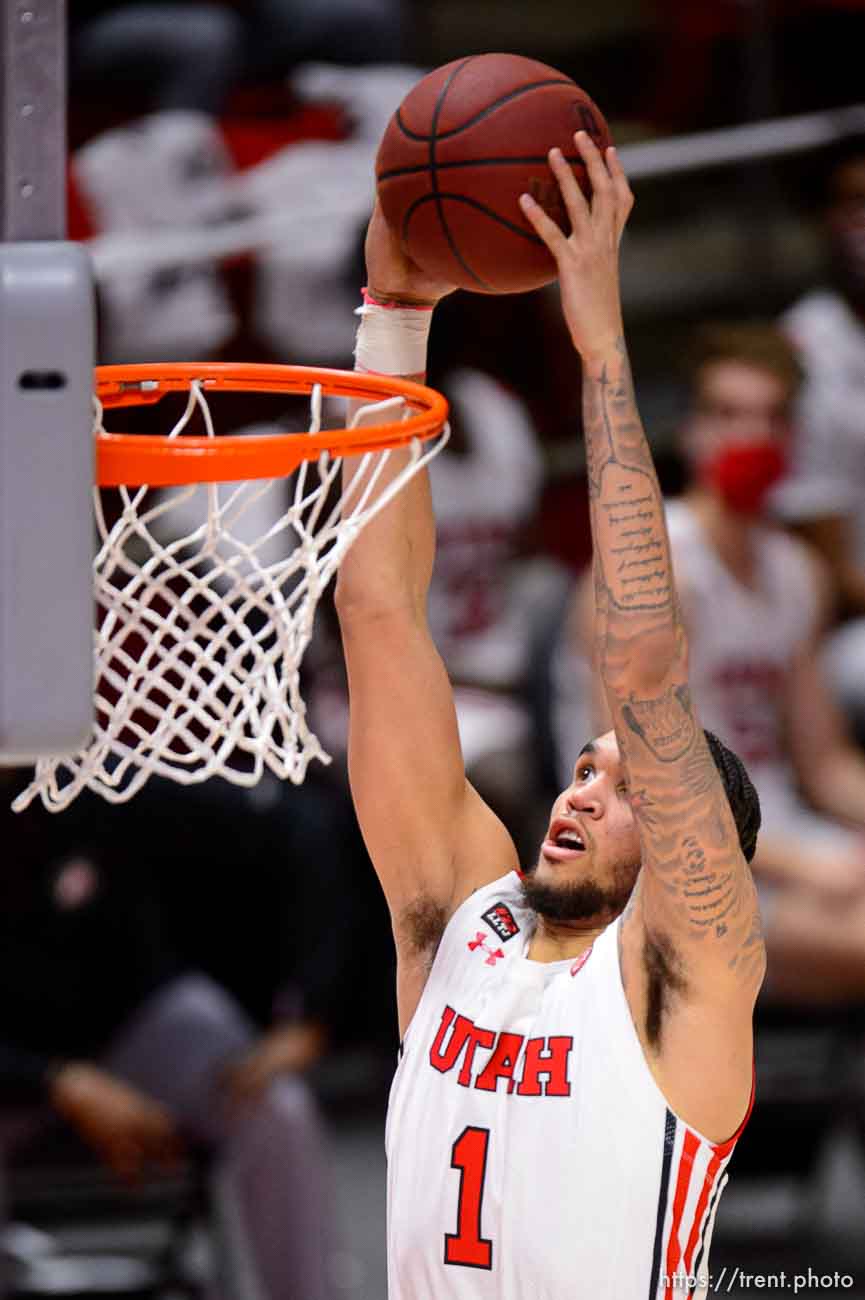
<point x="579" y="900"/>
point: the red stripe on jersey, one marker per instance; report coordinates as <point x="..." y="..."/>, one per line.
<point x="708" y="1183"/>
<point x="720" y="1150"/>
<point x="690" y="1147"/>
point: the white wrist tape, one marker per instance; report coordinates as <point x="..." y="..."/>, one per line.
<point x="392" y="340"/>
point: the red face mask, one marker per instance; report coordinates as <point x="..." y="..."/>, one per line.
<point x="743" y="472"/>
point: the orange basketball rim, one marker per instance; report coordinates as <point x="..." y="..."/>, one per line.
<point x="124" y="459"/>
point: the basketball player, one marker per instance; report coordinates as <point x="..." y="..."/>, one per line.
<point x="577" y="1055"/>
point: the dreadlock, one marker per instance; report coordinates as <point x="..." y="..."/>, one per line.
<point x="741" y="795"/>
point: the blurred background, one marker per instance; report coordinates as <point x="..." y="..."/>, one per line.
<point x="197" y="1022"/>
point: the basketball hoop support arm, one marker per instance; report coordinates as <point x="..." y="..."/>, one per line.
<point x="46" y="384"/>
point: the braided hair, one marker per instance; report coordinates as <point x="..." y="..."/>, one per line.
<point x="741" y="795"/>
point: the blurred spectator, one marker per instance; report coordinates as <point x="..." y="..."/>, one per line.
<point x="158" y="191"/>
<point x="308" y="278"/>
<point x="754" y="602"/>
<point x="284" y="33"/>
<point x="105" y="1022"/>
<point x="825" y="493"/>
<point x="485" y="488"/>
<point x="167" y="173"/>
<point x="159" y="54"/>
<point x="157" y="162"/>
<point x="172" y="54"/>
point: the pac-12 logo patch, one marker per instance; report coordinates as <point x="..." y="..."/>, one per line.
<point x="500" y="919"/>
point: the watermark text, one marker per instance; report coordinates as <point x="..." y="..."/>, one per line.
<point x="729" y="1279"/>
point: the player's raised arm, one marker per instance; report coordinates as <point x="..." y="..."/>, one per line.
<point x="695" y="898"/>
<point x="427" y="831"/>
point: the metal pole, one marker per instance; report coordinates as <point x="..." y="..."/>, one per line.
<point x="32" y="120"/>
<point x="46" y="386"/>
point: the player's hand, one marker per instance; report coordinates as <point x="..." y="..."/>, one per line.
<point x="126" y="1129"/>
<point x="588" y="258"/>
<point x="391" y="275"/>
<point x="287" y="1049"/>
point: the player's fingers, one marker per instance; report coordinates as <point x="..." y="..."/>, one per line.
<point x="575" y="201"/>
<point x="621" y="186"/>
<point x="544" y="226"/>
<point x="616" y="171"/>
<point x="602" y="184"/>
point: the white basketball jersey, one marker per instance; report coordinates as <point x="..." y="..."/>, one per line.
<point x="531" y="1155"/>
<point x="743" y="640"/>
<point x="828" y="453"/>
<point x="481" y="501"/>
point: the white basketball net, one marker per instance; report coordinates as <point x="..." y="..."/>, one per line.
<point x="198" y="654"/>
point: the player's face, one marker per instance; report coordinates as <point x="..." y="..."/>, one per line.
<point x="590" y="857"/>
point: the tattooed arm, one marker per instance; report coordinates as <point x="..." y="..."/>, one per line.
<point x="692" y="954"/>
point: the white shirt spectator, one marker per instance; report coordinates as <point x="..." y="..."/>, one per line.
<point x="828" y="459"/>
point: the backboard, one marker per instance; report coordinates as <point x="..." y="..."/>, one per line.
<point x="46" y="369"/>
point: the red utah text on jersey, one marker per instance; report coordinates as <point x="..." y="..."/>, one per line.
<point x="531" y="1067"/>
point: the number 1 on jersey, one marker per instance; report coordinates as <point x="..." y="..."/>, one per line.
<point x="466" y="1246"/>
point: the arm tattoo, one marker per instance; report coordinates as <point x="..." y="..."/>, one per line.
<point x="665" y="725"/>
<point x="631" y="548"/>
<point x="688" y="837"/>
<point x="748" y="959"/>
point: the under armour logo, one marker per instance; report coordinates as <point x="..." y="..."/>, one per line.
<point x="480" y="941"/>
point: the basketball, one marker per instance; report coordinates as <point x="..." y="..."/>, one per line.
<point x="463" y="145"/>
